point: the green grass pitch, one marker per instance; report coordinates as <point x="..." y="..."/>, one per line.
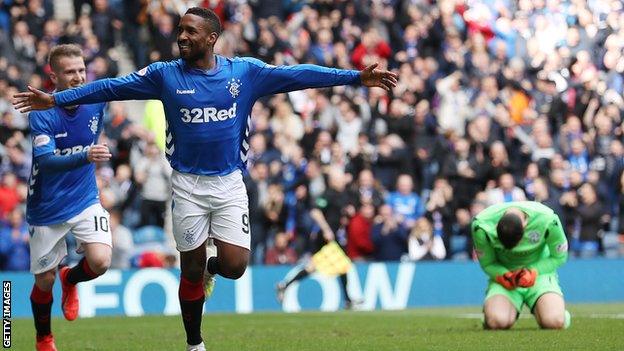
<point x="594" y="327"/>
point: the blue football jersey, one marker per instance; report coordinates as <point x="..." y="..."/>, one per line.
<point x="207" y="112"/>
<point x="55" y="197"/>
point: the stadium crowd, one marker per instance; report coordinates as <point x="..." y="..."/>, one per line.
<point x="497" y="101"/>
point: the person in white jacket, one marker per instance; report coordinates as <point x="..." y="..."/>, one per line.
<point x="506" y="191"/>
<point x="452" y="111"/>
<point x="423" y="244"/>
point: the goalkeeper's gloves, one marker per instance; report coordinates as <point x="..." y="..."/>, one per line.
<point x="507" y="280"/>
<point x="525" y="277"/>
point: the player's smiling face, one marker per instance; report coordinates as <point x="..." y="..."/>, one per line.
<point x="195" y="38"/>
<point x="70" y="72"/>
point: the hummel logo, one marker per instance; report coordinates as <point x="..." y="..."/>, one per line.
<point x="61" y="135"/>
<point x="185" y="92"/>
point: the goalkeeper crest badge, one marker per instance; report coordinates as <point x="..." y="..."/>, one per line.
<point x="233" y="86"/>
<point x="534" y="237"/>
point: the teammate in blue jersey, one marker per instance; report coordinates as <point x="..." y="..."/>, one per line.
<point x="63" y="195"/>
<point x="208" y="100"/>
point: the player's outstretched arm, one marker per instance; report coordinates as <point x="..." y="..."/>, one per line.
<point x="269" y="79"/>
<point x="558" y="247"/>
<point x="142" y="85"/>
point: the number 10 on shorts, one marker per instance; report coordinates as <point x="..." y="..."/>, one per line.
<point x="103" y="223"/>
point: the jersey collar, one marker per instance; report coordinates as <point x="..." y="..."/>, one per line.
<point x="210" y="72"/>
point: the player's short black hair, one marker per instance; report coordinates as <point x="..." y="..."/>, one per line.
<point x="211" y="18"/>
<point x="510" y="230"/>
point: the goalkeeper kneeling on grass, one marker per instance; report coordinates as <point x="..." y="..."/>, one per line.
<point x="520" y="245"/>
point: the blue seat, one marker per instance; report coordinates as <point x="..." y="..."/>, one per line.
<point x="149" y="234"/>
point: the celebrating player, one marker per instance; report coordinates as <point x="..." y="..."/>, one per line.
<point x="520" y="245"/>
<point x="63" y="195"/>
<point x="208" y="100"/>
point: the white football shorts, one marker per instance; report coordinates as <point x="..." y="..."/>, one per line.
<point x="210" y="207"/>
<point x="47" y="243"/>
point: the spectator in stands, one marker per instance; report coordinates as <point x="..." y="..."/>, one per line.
<point x="14" y="236"/>
<point x="392" y="159"/>
<point x="452" y="113"/>
<point x="106" y="23"/>
<point x="359" y="244"/>
<point x="579" y="157"/>
<point x="463" y="170"/>
<point x="547" y="196"/>
<point x="405" y="203"/>
<point x="591" y="215"/>
<point x="498" y="163"/>
<point x="16" y="160"/>
<point x="9" y="194"/>
<point x="441" y="209"/>
<point x="123" y="245"/>
<point x="275" y="210"/>
<point x="389" y="235"/>
<point x="366" y="189"/>
<point x="423" y="244"/>
<point x="507" y="191"/>
<point x="280" y="253"/>
<point x="165" y="39"/>
<point x="153" y="174"/>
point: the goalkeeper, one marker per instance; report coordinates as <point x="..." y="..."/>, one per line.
<point x="520" y="245"/>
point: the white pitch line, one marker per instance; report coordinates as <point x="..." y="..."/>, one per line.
<point x="526" y="315"/>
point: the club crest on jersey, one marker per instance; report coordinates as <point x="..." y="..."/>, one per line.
<point x="93" y="124"/>
<point x="534" y="237"/>
<point x="233" y="86"/>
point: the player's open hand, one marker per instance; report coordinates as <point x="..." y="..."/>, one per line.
<point x="33" y="99"/>
<point x="373" y="77"/>
<point x="99" y="153"/>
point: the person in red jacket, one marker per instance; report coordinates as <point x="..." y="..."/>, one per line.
<point x="9" y="194"/>
<point x="372" y="45"/>
<point x="280" y="253"/>
<point x="359" y="243"/>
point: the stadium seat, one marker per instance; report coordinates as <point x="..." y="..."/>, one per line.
<point x="148" y="234"/>
<point x="611" y="244"/>
<point x="458" y="247"/>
